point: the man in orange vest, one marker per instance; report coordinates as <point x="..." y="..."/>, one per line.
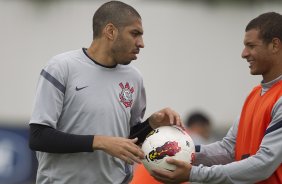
<point x="251" y="152"/>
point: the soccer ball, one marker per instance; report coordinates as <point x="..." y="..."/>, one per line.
<point x="164" y="142"/>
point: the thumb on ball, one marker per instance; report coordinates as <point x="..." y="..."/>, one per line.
<point x="172" y="161"/>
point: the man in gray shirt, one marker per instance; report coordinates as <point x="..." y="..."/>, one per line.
<point x="86" y="122"/>
<point x="251" y="152"/>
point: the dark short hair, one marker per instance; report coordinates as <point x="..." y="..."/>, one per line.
<point x="115" y="12"/>
<point x="197" y="118"/>
<point x="269" y="25"/>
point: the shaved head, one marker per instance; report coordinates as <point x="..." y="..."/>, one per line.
<point x="115" y="12"/>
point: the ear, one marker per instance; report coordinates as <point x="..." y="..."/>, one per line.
<point x="276" y="45"/>
<point x="110" y="31"/>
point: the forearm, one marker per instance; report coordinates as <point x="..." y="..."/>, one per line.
<point x="220" y="152"/>
<point x="212" y="175"/>
<point x="213" y="154"/>
<point x="46" y="139"/>
<point x="250" y="170"/>
<point x="247" y="171"/>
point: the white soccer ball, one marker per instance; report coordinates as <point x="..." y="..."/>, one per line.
<point x="164" y="142"/>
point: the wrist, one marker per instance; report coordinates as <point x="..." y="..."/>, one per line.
<point x="98" y="143"/>
<point x="149" y="121"/>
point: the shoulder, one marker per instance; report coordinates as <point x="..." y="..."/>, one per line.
<point x="61" y="61"/>
<point x="256" y="89"/>
<point x="132" y="70"/>
<point x="58" y="65"/>
<point x="278" y="106"/>
<point x="64" y="57"/>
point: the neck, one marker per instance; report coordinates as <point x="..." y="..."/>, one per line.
<point x="99" y="52"/>
<point x="275" y="71"/>
<point x="269" y="79"/>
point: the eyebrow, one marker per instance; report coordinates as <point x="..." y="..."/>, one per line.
<point x="137" y="31"/>
<point x="248" y="43"/>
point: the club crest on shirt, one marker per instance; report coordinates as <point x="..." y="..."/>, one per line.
<point x="125" y="95"/>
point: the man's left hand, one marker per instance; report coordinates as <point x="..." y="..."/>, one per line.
<point x="165" y="117"/>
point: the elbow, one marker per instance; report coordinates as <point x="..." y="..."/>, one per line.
<point x="35" y="134"/>
<point x="265" y="175"/>
<point x="267" y="171"/>
<point x="34" y="141"/>
<point x="32" y="144"/>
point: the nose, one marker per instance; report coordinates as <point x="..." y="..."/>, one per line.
<point x="140" y="43"/>
<point x="244" y="53"/>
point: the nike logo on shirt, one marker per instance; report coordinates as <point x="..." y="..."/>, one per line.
<point x="78" y="89"/>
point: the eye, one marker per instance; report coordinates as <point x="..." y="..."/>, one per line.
<point x="250" y="46"/>
<point x="135" y="34"/>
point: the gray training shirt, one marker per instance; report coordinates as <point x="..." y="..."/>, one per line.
<point x="78" y="96"/>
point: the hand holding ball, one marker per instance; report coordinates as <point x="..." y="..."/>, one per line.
<point x="164" y="142"/>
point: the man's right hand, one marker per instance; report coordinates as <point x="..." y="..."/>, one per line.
<point x="119" y="147"/>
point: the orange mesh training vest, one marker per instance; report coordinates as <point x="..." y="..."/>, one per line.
<point x="254" y="120"/>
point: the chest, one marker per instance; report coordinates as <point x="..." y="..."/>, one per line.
<point x="94" y="90"/>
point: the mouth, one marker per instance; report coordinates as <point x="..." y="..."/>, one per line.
<point x="136" y="51"/>
<point x="251" y="62"/>
<point x="251" y="65"/>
